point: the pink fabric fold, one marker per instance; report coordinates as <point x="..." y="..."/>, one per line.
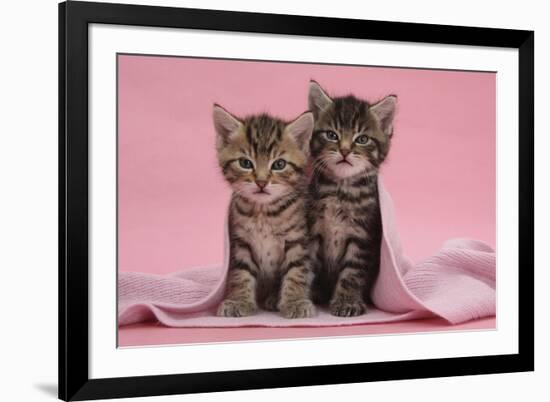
<point x="457" y="284"/>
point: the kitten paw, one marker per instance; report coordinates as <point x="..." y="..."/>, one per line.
<point x="233" y="308"/>
<point x="271" y="303"/>
<point x="347" y="308"/>
<point x="297" y="309"/>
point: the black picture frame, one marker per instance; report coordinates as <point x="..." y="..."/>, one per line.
<point x="74" y="380"/>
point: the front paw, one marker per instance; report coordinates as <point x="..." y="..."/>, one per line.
<point x="297" y="309"/>
<point x="347" y="308"/>
<point x="236" y="308"/>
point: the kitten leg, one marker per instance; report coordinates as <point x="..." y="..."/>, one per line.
<point x="348" y="296"/>
<point x="347" y="300"/>
<point x="295" y="299"/>
<point x="241" y="294"/>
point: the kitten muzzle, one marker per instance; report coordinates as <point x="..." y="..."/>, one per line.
<point x="344" y="160"/>
<point x="260" y="192"/>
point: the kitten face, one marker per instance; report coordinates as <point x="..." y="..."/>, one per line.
<point x="350" y="136"/>
<point x="262" y="157"/>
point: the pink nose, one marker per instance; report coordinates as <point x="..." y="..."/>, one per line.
<point x="261" y="183"/>
<point x="345" y="152"/>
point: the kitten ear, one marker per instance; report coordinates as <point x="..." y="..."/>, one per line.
<point x="385" y="111"/>
<point x="225" y="124"/>
<point x="301" y="129"/>
<point x="318" y="100"/>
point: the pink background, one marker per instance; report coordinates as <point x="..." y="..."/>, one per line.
<point x="172" y="198"/>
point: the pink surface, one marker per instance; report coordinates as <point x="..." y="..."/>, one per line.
<point x="172" y="199"/>
<point x="156" y="334"/>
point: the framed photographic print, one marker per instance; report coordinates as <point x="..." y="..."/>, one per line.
<point x="258" y="200"/>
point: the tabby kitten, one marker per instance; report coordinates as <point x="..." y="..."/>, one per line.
<point x="350" y="141"/>
<point x="263" y="159"/>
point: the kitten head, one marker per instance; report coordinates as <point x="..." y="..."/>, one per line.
<point x="351" y="136"/>
<point x="263" y="158"/>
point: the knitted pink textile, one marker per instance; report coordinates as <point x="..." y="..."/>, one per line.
<point x="457" y="284"/>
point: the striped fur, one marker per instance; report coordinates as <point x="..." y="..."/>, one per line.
<point x="344" y="216"/>
<point x="269" y="260"/>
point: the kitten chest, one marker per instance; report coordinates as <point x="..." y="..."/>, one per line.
<point x="336" y="224"/>
<point x="267" y="245"/>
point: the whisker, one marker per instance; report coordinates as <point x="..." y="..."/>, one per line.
<point x="318" y="166"/>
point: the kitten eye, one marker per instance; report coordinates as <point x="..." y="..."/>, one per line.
<point x="331" y="135"/>
<point x="279" y="164"/>
<point x="362" y="139"/>
<point x="246" y="163"/>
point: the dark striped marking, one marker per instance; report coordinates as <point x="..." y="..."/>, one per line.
<point x="239" y="264"/>
<point x="300" y="262"/>
<point x="284" y="206"/>
<point x="290" y="244"/>
<point x="246" y="246"/>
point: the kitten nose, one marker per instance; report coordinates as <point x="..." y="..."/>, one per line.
<point x="261" y="183"/>
<point x="345" y="152"/>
